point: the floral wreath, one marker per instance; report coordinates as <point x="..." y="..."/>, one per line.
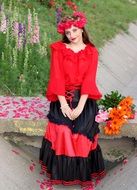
<point x="78" y="19"/>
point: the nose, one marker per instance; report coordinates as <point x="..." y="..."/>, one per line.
<point x="71" y="35"/>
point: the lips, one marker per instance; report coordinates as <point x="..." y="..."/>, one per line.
<point x="73" y="39"/>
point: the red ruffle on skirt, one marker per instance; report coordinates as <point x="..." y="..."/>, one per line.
<point x="65" y="143"/>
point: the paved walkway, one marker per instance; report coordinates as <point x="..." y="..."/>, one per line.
<point x="15" y="171"/>
<point x="19" y="171"/>
<point x="118" y="64"/>
<point x="123" y="177"/>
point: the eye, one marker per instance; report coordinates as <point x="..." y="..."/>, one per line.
<point x="67" y="32"/>
<point x="74" y="30"/>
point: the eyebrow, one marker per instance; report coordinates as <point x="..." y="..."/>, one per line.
<point x="72" y="29"/>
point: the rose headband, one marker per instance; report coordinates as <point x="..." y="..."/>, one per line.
<point x="78" y="19"/>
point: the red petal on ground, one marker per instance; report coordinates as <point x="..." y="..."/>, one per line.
<point x="125" y="161"/>
<point x="42" y="173"/>
<point x="89" y="188"/>
<point x="98" y="181"/>
<point x="42" y="186"/>
<point x="31" y="167"/>
<point x="49" y="188"/>
<point x="16" y="152"/>
<point x="47" y="182"/>
<point x="34" y="164"/>
<point x="38" y="181"/>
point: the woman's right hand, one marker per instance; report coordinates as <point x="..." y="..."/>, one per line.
<point x="66" y="111"/>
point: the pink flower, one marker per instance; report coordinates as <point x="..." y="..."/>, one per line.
<point x="101" y="116"/>
<point x="35" y="35"/>
<point x="3" y="26"/>
<point x="29" y="22"/>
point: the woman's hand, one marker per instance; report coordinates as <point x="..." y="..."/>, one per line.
<point x="76" y="112"/>
<point x="66" y="111"/>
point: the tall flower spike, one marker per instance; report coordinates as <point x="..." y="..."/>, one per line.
<point x="3" y="26"/>
<point x="35" y="36"/>
<point x="29" y="22"/>
<point x="58" y="14"/>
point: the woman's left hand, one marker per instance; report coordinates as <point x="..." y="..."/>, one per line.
<point x="76" y="112"/>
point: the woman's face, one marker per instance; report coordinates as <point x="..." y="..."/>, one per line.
<point x="74" y="34"/>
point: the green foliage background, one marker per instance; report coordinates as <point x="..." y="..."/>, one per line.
<point x="106" y="18"/>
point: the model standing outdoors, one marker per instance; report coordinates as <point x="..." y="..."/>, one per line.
<point x="70" y="153"/>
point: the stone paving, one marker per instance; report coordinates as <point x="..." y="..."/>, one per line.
<point x="18" y="173"/>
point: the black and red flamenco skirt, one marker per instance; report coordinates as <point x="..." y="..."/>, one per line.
<point x="70" y="153"/>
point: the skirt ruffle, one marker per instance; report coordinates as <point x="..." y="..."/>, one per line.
<point x="64" y="142"/>
<point x="71" y="170"/>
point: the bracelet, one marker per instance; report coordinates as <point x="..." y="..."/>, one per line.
<point x="63" y="106"/>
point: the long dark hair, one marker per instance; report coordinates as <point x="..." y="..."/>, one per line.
<point x="85" y="38"/>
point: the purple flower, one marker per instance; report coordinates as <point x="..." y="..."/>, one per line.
<point x="20" y="28"/>
<point x="58" y="15"/>
<point x="21" y="35"/>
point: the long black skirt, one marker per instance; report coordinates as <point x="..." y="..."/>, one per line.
<point x="70" y="153"/>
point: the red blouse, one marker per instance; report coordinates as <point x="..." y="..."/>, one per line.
<point x="69" y="69"/>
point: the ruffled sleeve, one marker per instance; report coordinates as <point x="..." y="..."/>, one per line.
<point x="89" y="82"/>
<point x="56" y="84"/>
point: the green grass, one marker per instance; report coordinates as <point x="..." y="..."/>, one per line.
<point x="106" y="18"/>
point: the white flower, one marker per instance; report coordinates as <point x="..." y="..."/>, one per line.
<point x="109" y="109"/>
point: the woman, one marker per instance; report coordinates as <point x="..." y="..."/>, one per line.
<point x="70" y="153"/>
